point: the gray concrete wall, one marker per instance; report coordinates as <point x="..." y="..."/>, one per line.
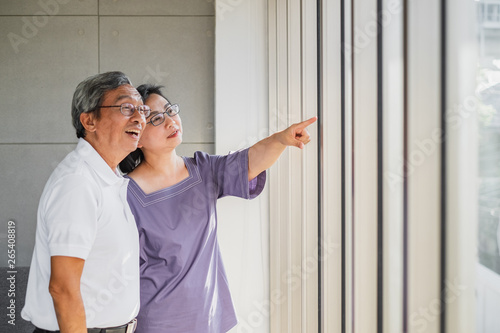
<point x="47" y="47"/>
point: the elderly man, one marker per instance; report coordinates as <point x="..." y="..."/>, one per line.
<point x="85" y="267"/>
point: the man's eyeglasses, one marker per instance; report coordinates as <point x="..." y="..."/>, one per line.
<point x="170" y="110"/>
<point x="128" y="109"/>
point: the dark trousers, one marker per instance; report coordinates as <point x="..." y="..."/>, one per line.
<point x="130" y="327"/>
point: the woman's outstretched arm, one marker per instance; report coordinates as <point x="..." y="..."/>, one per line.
<point x="266" y="152"/>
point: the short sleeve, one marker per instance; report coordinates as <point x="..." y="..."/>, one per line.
<point x="70" y="217"/>
<point x="231" y="172"/>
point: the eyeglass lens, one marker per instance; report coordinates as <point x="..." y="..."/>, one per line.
<point x="171" y="110"/>
<point x="128" y="109"/>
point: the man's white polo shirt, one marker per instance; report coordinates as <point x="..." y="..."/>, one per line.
<point x="83" y="212"/>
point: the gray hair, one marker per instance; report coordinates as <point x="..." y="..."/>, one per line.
<point x="89" y="94"/>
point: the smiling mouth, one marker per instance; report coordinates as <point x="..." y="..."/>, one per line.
<point x="134" y="133"/>
<point x="173" y="134"/>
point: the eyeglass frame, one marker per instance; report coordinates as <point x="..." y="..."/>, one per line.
<point x="169" y="106"/>
<point x="133" y="108"/>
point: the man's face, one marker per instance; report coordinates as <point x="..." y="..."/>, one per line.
<point x="116" y="135"/>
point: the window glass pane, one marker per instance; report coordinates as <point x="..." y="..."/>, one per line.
<point x="489" y="133"/>
<point x="488" y="92"/>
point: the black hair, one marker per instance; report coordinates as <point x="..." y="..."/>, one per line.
<point x="148" y="89"/>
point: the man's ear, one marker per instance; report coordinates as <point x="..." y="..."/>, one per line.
<point x="88" y="121"/>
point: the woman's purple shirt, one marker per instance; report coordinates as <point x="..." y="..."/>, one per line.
<point x="183" y="282"/>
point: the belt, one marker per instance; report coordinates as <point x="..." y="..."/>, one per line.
<point x="127" y="328"/>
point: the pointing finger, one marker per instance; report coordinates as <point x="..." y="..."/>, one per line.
<point x="307" y="122"/>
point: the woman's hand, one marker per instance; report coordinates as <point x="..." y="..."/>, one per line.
<point x="266" y="152"/>
<point x="297" y="134"/>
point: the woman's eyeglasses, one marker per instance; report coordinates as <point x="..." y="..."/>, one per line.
<point x="170" y="110"/>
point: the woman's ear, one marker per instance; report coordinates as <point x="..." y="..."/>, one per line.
<point x="88" y="121"/>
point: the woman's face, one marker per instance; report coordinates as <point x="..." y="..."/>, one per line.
<point x="166" y="135"/>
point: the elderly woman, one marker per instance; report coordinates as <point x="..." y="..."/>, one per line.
<point x="183" y="283"/>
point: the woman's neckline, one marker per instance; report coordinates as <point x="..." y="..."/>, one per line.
<point x="168" y="187"/>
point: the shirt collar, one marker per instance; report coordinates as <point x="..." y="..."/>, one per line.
<point x="96" y="162"/>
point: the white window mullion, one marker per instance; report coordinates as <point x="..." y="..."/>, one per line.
<point x="294" y="169"/>
<point x="393" y="177"/>
<point x="331" y="169"/>
<point x="462" y="153"/>
<point x="293" y="180"/>
<point x="423" y="164"/>
<point x="365" y="167"/>
<point x="349" y="173"/>
<point x="278" y="293"/>
<point x="310" y="250"/>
